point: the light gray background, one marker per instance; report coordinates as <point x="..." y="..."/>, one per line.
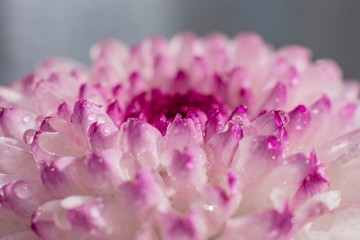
<point x="32" y="30"/>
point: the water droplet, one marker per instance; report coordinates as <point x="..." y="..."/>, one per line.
<point x="26" y="119"/>
<point x="29" y="136"/>
<point x="282" y="118"/>
<point x="101" y="160"/>
<point x="273" y="143"/>
<point x="284" y="182"/>
<point x="52" y="169"/>
<point x="107" y="130"/>
<point x="209" y="207"/>
<point x="101" y="119"/>
<point x="293" y="220"/>
<point x="315" y="111"/>
<point x="91" y="117"/>
<point x="22" y="190"/>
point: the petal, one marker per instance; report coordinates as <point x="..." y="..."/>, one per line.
<point x="103" y="136"/>
<point x="141" y="140"/>
<point x="276" y="98"/>
<point x="64" y="177"/>
<point x="22" y="197"/>
<point x="343" y="176"/>
<point x="64" y="112"/>
<point x="270" y="123"/>
<point x="104" y="171"/>
<point x="143" y="196"/>
<point x="256" y="155"/>
<point x="115" y="113"/>
<point x="14" y="122"/>
<point x="218" y="206"/>
<point x="177" y="227"/>
<point x="28" y="235"/>
<point x="49" y="222"/>
<point x="300" y="121"/>
<point x="15" y="159"/>
<point x="220" y="150"/>
<point x="93" y="219"/>
<point x="47" y="146"/>
<point x="253" y="54"/>
<point x="214" y="125"/>
<point x="183" y="132"/>
<point x="320" y="112"/>
<point x="270" y="224"/>
<point x="95" y="94"/>
<point x="85" y="114"/>
<point x="277" y="186"/>
<point x="187" y="168"/>
<point x="298" y="56"/>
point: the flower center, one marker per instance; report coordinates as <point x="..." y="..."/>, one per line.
<point x="160" y="109"/>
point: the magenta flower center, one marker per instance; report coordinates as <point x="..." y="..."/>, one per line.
<point x="160" y="109"/>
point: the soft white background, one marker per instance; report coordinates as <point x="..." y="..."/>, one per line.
<point x="31" y="30"/>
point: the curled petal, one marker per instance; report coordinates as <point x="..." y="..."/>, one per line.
<point x="47" y="146"/>
<point x="85" y="114"/>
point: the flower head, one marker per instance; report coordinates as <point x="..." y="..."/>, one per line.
<point x="188" y="138"/>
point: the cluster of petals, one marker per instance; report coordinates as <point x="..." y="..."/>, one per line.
<point x="183" y="139"/>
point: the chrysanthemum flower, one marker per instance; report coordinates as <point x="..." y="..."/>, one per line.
<point x="188" y="139"/>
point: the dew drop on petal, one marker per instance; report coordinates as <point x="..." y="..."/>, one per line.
<point x="101" y="119"/>
<point x="107" y="130"/>
<point x="26" y="119"/>
<point x="282" y="118"/>
<point x="91" y="117"/>
<point x="208" y="207"/>
<point x="29" y="136"/>
<point x="273" y="143"/>
<point x="22" y="190"/>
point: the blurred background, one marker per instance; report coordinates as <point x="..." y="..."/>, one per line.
<point x="32" y="30"/>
